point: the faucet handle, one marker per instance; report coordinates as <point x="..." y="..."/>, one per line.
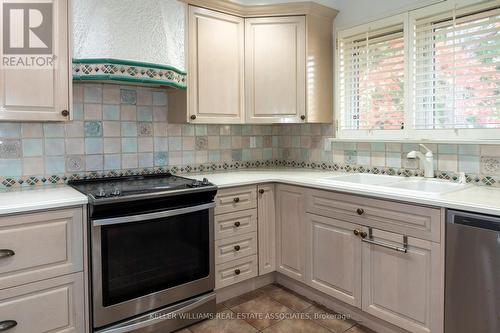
<point x="462" y="179"/>
<point x="428" y="152"/>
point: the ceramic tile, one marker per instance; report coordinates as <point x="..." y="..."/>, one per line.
<point x="259" y="308"/>
<point x="144" y="97"/>
<point x="75" y="163"/>
<point x="92" y="94"/>
<point x="144" y="113"/>
<point x="128" y="96"/>
<point x="129" y="161"/>
<point x="33" y="166"/>
<point x="145" y="144"/>
<point x="161" y="144"/>
<point x="93" y="145"/>
<point x="160" y="114"/>
<point x="470" y="150"/>
<point x="92" y="111"/>
<point x="32" y="147"/>
<point x="112" y="162"/>
<point x="111" y="129"/>
<point x="201" y="157"/>
<point x="111" y="112"/>
<point x="296" y="326"/>
<point x="334" y="322"/>
<point x="10" y="167"/>
<point x="187" y="157"/>
<point x="145" y="160"/>
<point x="214" y="156"/>
<point x="145" y="129"/>
<point x="129" y="129"/>
<point x="129" y="145"/>
<point x="160" y="158"/>
<point x="469" y="164"/>
<point x="201" y="143"/>
<point x="54" y="146"/>
<point x="448" y="163"/>
<point x="174" y="143"/>
<point x="128" y="112"/>
<point x="78" y="113"/>
<point x="188" y="142"/>
<point x="32" y="130"/>
<point x="94" y="162"/>
<point x="159" y="98"/>
<point x="54" y="165"/>
<point x="56" y="130"/>
<point x="393" y="160"/>
<point x="213" y="142"/>
<point x="447" y="149"/>
<point x="224" y="323"/>
<point x="93" y="128"/>
<point x="74" y="146"/>
<point x="200" y="130"/>
<point x="289" y="299"/>
<point x="111" y="95"/>
<point x="10" y="149"/>
<point x="490" y="151"/>
<point x="112" y="145"/>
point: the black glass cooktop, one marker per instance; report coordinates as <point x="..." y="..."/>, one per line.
<point x="125" y="186"/>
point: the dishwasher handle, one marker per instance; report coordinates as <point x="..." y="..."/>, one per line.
<point x="474" y="220"/>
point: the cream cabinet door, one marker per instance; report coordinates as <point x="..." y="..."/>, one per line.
<point x="334" y="258"/>
<point x="290" y="246"/>
<point x="275" y="69"/>
<point x="266" y="210"/>
<point x="215" y="67"/>
<point x="403" y="288"/>
<point x="35" y="75"/>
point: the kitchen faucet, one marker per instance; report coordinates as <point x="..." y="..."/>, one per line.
<point x="427" y="160"/>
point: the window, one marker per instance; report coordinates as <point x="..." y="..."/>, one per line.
<point x="433" y="73"/>
<point x="457" y="71"/>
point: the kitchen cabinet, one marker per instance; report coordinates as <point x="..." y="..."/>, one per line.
<point x="402" y="288"/>
<point x="290" y="227"/>
<point x="36" y="83"/>
<point x="334" y="258"/>
<point x="275" y="68"/>
<point x="42" y="284"/>
<point x="266" y="209"/>
<point x="215" y="67"/>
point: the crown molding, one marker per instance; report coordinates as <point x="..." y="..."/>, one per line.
<point x="281" y="9"/>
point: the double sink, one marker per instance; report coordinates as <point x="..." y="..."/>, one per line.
<point x="408" y="185"/>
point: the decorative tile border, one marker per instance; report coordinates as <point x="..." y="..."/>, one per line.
<point x="128" y="71"/>
<point x="11" y="182"/>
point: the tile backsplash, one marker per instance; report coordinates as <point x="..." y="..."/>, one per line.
<point x="118" y="128"/>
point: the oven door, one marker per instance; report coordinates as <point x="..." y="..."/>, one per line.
<point x="143" y="262"/>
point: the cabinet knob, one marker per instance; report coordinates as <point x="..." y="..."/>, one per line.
<point x="303" y="117"/>
<point x="237" y="271"/>
<point x="236" y="200"/>
<point x="237" y="248"/>
<point x="7" y="324"/>
<point x="363" y="234"/>
<point x="356" y="232"/>
<point x="237" y="223"/>
<point x="261" y="191"/>
<point x="65" y="113"/>
<point x="360" y="211"/>
<point x="5" y="253"/>
<point x="193" y="117"/>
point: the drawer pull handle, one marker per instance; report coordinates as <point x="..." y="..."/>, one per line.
<point x="360" y="211"/>
<point x="237" y="223"/>
<point x="7" y="325"/>
<point x="5" y="253"/>
<point x="237" y="247"/>
<point x="237" y="271"/>
<point x="261" y="191"/>
<point x="236" y="200"/>
<point x="370" y="240"/>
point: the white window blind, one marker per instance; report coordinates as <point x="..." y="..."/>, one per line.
<point x="371" y="79"/>
<point x="456" y="70"/>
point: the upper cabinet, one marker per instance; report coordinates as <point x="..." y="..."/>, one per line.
<point x="216" y="67"/>
<point x="257" y="64"/>
<point x="275" y="50"/>
<point x="35" y="76"/>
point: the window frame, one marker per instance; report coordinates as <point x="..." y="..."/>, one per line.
<point x="409" y="19"/>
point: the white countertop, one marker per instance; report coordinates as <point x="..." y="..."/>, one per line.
<point x="480" y="199"/>
<point x="39" y="198"/>
<point x="475" y="198"/>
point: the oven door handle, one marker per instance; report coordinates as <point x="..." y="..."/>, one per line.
<point x="151" y="216"/>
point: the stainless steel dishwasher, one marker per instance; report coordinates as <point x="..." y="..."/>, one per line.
<point x="472" y="297"/>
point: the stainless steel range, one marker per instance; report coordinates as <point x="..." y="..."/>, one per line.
<point x="151" y="250"/>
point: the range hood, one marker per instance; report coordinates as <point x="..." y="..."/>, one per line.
<point x="130" y="41"/>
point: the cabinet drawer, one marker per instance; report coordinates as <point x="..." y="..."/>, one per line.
<point x="235" y="247"/>
<point x="44" y="245"/>
<point x="417" y="221"/>
<point x="54" y="305"/>
<point x="226" y="274"/>
<point x="234" y="224"/>
<point x="237" y="198"/>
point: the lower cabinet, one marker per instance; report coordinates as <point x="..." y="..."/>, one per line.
<point x="403" y="288"/>
<point x="266" y="210"/>
<point x="333" y="257"/>
<point x="290" y="245"/>
<point x="54" y="305"/>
